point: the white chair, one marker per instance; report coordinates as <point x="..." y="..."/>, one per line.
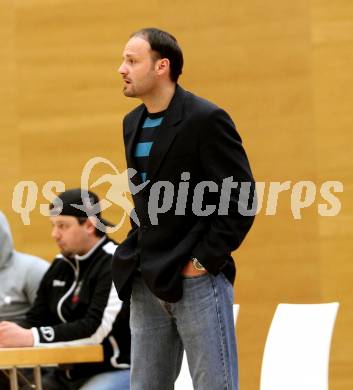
<point x="184" y="381"/>
<point x="297" y="349"/>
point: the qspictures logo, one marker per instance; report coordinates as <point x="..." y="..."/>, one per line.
<point x="165" y="196"/>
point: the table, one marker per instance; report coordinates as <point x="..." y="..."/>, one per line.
<point x="12" y="358"/>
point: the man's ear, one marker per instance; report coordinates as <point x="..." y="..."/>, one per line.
<point x="91" y="224"/>
<point x="162" y="66"/>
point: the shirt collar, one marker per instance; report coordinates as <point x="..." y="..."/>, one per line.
<point x="89" y="253"/>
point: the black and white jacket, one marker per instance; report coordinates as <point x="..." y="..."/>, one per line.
<point x="77" y="304"/>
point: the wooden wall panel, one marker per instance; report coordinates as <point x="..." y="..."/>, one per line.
<point x="9" y="135"/>
<point x="332" y="37"/>
<point x="281" y="68"/>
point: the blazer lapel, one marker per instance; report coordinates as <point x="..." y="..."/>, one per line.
<point x="166" y="132"/>
<point x="132" y="126"/>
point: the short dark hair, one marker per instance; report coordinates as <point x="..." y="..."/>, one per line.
<point x="166" y="46"/>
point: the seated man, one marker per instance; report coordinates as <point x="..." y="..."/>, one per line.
<point x="77" y="302"/>
<point x="20" y="275"/>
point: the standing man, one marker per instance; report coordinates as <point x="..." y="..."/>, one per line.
<point x="77" y="303"/>
<point x="176" y="262"/>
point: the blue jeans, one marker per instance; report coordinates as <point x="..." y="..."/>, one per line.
<point x="201" y="322"/>
<point x="112" y="380"/>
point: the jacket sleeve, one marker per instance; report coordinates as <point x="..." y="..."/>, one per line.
<point x="35" y="272"/>
<point x="40" y="306"/>
<point x="93" y="326"/>
<point x="223" y="156"/>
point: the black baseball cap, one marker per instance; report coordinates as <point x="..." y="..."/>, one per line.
<point x="78" y="202"/>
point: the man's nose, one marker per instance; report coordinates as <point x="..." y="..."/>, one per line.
<point x="122" y="69"/>
<point x="55" y="233"/>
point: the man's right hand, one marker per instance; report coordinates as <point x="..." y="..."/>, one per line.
<point x="13" y="335"/>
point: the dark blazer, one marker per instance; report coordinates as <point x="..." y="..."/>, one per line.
<point x="197" y="137"/>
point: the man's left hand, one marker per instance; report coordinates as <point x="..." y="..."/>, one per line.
<point x="190" y="271"/>
<point x="13" y="335"/>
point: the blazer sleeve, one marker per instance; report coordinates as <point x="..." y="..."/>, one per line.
<point x="223" y="157"/>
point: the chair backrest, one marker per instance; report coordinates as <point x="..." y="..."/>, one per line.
<point x="184" y="381"/>
<point x="235" y="312"/>
<point x="297" y="349"/>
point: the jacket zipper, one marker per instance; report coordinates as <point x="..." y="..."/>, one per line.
<point x="70" y="290"/>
